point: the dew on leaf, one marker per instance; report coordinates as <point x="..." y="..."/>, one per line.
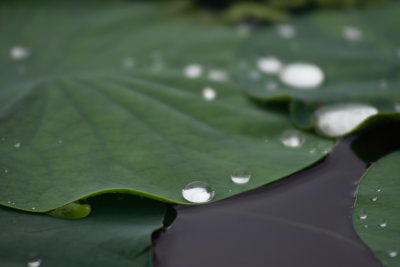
<point x="218" y="75"/>
<point x="74" y="210"/>
<point x="240" y="176"/>
<point x="293" y="138"/>
<point x="272" y="86"/>
<point x="362" y="215"/>
<point x="193" y="71"/>
<point x="17" y="145"/>
<point x="383" y="224"/>
<point x="397" y="107"/>
<point x="339" y="119"/>
<point x="209" y="94"/>
<point x="286" y="31"/>
<point x="128" y="63"/>
<point x="270" y="65"/>
<point x="374" y="199"/>
<point x="254" y="75"/>
<point x="198" y="192"/>
<point x="302" y="76"/>
<point x="19" y="53"/>
<point x="34" y="261"/>
<point x="352" y="33"/>
<point x="392" y="253"/>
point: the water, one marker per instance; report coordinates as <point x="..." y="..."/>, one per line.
<point x="286" y="31"/>
<point x="397" y="107"/>
<point x="340" y="119"/>
<point x="193" y="71"/>
<point x="352" y="34"/>
<point x="392" y="253"/>
<point x="73" y="210"/>
<point x="34" y="261"/>
<point x="240" y="176"/>
<point x="374" y="199"/>
<point x="19" y="53"/>
<point x="17" y="145"/>
<point x="218" y="75"/>
<point x="209" y="94"/>
<point x="383" y="224"/>
<point x="254" y="75"/>
<point x="270" y="65"/>
<point x="128" y="63"/>
<point x="362" y="215"/>
<point x="302" y="76"/>
<point x="379" y="190"/>
<point x="198" y="192"/>
<point x="292" y="138"/>
<point x="271" y="86"/>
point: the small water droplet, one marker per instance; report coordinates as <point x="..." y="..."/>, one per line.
<point x="60" y="141"/>
<point x="383" y="224"/>
<point x="392" y="253"/>
<point x="383" y="84"/>
<point x="254" y="75"/>
<point x="293" y="138"/>
<point x="17" y="145"/>
<point x="286" y="31"/>
<point x="339" y="119"/>
<point x="128" y="63"/>
<point x="269" y="65"/>
<point x="365" y="225"/>
<point x="397" y="107"/>
<point x="302" y="75"/>
<point x="240" y="176"/>
<point x="312" y="150"/>
<point x="352" y="33"/>
<point x="34" y="261"/>
<point x="374" y="199"/>
<point x="272" y="86"/>
<point x="379" y="190"/>
<point x="33" y="208"/>
<point x="9" y="202"/>
<point x="19" y="53"/>
<point x="209" y="94"/>
<point x="244" y="30"/>
<point x="193" y="71"/>
<point x="218" y="75"/>
<point x="6" y="170"/>
<point x="198" y="192"/>
<point x="362" y="215"/>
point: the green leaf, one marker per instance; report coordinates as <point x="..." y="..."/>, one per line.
<point x="81" y="120"/>
<point x="361" y="67"/>
<point x="117" y="233"/>
<point x="376" y="214"/>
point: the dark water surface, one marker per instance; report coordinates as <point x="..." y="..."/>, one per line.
<point x="304" y="220"/>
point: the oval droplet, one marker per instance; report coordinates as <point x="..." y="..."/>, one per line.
<point x="34" y="261"/>
<point x="383" y="224"/>
<point x="128" y="63"/>
<point x="19" y="53"/>
<point x="286" y="31"/>
<point x="240" y="176"/>
<point x="362" y="215"/>
<point x="198" y="192"/>
<point x="74" y="210"/>
<point x="209" y="94"/>
<point x="374" y="199"/>
<point x="17" y="145"/>
<point x="193" y="71"/>
<point x="302" y="76"/>
<point x="292" y="138"/>
<point x="352" y="33"/>
<point x="218" y="75"/>
<point x="392" y="253"/>
<point x="269" y="65"/>
<point x="340" y="119"/>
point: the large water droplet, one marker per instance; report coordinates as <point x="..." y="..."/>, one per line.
<point x="340" y="119"/>
<point x="209" y="94"/>
<point x="286" y="31"/>
<point x="352" y="34"/>
<point x="269" y="65"/>
<point x="302" y="75"/>
<point x="240" y="176"/>
<point x="74" y="210"/>
<point x="392" y="253"/>
<point x="198" y="192"/>
<point x="34" y="261"/>
<point x="362" y="215"/>
<point x="293" y="138"/>
<point x="19" y="53"/>
<point x="218" y="75"/>
<point x="193" y="71"/>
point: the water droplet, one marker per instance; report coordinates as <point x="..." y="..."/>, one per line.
<point x="74" y="210"/>
<point x="383" y="84"/>
<point x="397" y="107"/>
<point x="374" y="199"/>
<point x="362" y="215"/>
<point x="365" y="225"/>
<point x="198" y="192"/>
<point x="128" y="63"/>
<point x="293" y="138"/>
<point x="352" y="34"/>
<point x="392" y="253"/>
<point x="240" y="176"/>
<point x="254" y="75"/>
<point x="379" y="190"/>
<point x="193" y="71"/>
<point x="34" y="261"/>
<point x="269" y="65"/>
<point x="339" y="119"/>
<point x="19" y="53"/>
<point x="6" y="170"/>
<point x="244" y="30"/>
<point x="312" y="151"/>
<point x="60" y="141"/>
<point x="272" y="86"/>
<point x="383" y="224"/>
<point x="286" y="31"/>
<point x="17" y="145"/>
<point x="302" y="75"/>
<point x="33" y="208"/>
<point x="9" y="202"/>
<point x="218" y="75"/>
<point x="209" y="94"/>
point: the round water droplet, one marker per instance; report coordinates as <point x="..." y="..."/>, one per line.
<point x="19" y="53"/>
<point x="383" y="224"/>
<point x="379" y="190"/>
<point x="218" y="75"/>
<point x="17" y="145"/>
<point x="269" y="65"/>
<point x="340" y="119"/>
<point x="128" y="63"/>
<point x="352" y="34"/>
<point x="397" y="107"/>
<point x="193" y="71"/>
<point x="365" y="225"/>
<point x="293" y="138"/>
<point x="6" y="171"/>
<point x="209" y="94"/>
<point x="33" y="208"/>
<point x="312" y="150"/>
<point x="286" y="31"/>
<point x="34" y="261"/>
<point x="374" y="199"/>
<point x="240" y="176"/>
<point x="74" y="210"/>
<point x="302" y="76"/>
<point x="392" y="253"/>
<point x="198" y="192"/>
<point x="362" y="215"/>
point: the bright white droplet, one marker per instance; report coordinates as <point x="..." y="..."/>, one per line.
<point x="379" y="190"/>
<point x="365" y="225"/>
<point x="269" y="65"/>
<point x="198" y="192"/>
<point x="286" y="31"/>
<point x="340" y="119"/>
<point x="17" y="145"/>
<point x="302" y="75"/>
<point x="352" y="34"/>
<point x="19" y="53"/>
<point x="362" y="215"/>
<point x="392" y="253"/>
<point x="209" y="94"/>
<point x="33" y="208"/>
<point x="240" y="176"/>
<point x="34" y="262"/>
<point x="293" y="138"/>
<point x="383" y="224"/>
<point x="193" y="71"/>
<point x="374" y="199"/>
<point x="218" y="75"/>
<point x="271" y="86"/>
<point x="128" y="63"/>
